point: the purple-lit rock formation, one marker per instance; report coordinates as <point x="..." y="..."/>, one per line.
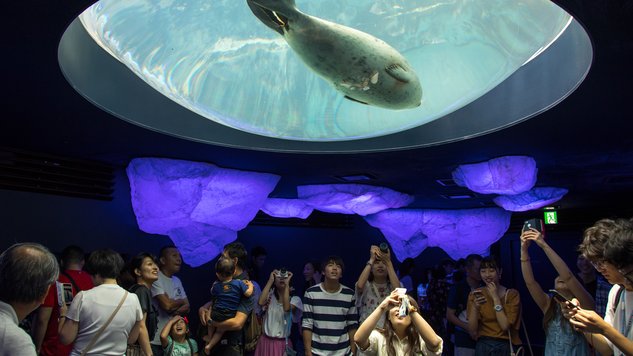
<point x="287" y="208"/>
<point x="352" y="198"/>
<point x="458" y="232"/>
<point x="194" y="202"/>
<point x="530" y="200"/>
<point x="504" y="175"/>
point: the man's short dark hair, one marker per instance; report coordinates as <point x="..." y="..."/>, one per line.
<point x="163" y="250"/>
<point x="595" y="237"/>
<point x="106" y="263"/>
<point x="618" y="249"/>
<point x="27" y="270"/>
<point x="472" y="258"/>
<point x="72" y="254"/>
<point x="335" y="259"/>
<point x="224" y="267"/>
<point x="237" y="250"/>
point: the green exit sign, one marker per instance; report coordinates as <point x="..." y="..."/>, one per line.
<point x="551" y="217"/>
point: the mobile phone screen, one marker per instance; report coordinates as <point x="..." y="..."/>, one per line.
<point x="558" y="297"/>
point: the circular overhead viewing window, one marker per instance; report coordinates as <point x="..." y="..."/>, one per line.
<point x="221" y="63"/>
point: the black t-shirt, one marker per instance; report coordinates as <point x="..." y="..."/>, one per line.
<point x="145" y="298"/>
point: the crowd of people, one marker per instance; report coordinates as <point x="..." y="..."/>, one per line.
<point x="100" y="305"/>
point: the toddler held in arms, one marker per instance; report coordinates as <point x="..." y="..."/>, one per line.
<point x="226" y="294"/>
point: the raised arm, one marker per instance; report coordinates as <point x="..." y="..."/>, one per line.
<point x="167" y="329"/>
<point x="263" y="298"/>
<point x="361" y="337"/>
<point x="585" y="299"/>
<point x="364" y="275"/>
<point x="503" y="317"/>
<point x="431" y="339"/>
<point x="541" y="299"/>
<point x="285" y="294"/>
<point x="391" y="272"/>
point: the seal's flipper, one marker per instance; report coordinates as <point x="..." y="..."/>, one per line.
<point x="269" y="18"/>
<point x="399" y="73"/>
<point x="358" y="101"/>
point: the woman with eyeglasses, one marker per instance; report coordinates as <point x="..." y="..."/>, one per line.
<point x="609" y="246"/>
<point x="560" y="337"/>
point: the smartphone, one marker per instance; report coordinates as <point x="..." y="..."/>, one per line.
<point x="68" y="293"/>
<point x="559" y="297"/>
<point x="479" y="295"/>
<point x="401" y="291"/>
<point x="534" y="224"/>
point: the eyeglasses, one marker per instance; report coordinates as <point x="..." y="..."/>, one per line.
<point x="627" y="274"/>
<point x="598" y="264"/>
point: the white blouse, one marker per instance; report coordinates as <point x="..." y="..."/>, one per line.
<point x="275" y="318"/>
<point x="378" y="346"/>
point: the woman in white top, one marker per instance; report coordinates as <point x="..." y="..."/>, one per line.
<point x="91" y="309"/>
<point x="402" y="335"/>
<point x="375" y="282"/>
<point x="280" y="310"/>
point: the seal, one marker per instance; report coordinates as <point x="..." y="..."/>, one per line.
<point x="362" y="67"/>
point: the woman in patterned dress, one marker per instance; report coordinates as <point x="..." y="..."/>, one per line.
<point x="375" y="283"/>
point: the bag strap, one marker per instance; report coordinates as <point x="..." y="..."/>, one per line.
<point x="289" y="323"/>
<point x="104" y="326"/>
<point x="72" y="281"/>
<point x="190" y="345"/>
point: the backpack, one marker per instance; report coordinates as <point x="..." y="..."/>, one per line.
<point x="252" y="331"/>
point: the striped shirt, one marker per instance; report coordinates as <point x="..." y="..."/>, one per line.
<point x="330" y="316"/>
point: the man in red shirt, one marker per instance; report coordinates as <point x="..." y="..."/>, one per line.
<point x="72" y="278"/>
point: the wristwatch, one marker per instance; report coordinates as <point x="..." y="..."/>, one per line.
<point x="498" y="308"/>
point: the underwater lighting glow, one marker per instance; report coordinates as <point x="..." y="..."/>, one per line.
<point x="219" y="61"/>
<point x="195" y="203"/>
<point x="503" y="175"/>
<point x="530" y="200"/>
<point x="457" y="232"/>
<point x="287" y="208"/>
<point x="352" y="198"/>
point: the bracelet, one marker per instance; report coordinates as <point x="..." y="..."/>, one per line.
<point x="413" y="310"/>
<point x="369" y="264"/>
<point x="525" y="260"/>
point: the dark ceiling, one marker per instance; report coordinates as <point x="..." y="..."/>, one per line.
<point x="584" y="144"/>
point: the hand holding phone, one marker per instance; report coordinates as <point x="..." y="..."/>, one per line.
<point x="561" y="298"/>
<point x="480" y="298"/>
<point x="533" y="224"/>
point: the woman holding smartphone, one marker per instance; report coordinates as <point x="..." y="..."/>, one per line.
<point x="560" y="337"/>
<point x="494" y="313"/>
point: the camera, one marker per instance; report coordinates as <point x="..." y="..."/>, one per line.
<point x="282" y="273"/>
<point x="384" y="248"/>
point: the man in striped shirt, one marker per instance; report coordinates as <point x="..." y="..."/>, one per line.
<point x="330" y="318"/>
